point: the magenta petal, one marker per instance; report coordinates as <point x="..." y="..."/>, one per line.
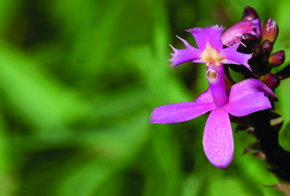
<point x="218" y="141"/>
<point x="200" y="37"/>
<point x="184" y="55"/>
<point x="232" y="56"/>
<point x="249" y="96"/>
<point x="205" y="97"/>
<point x="179" y="112"/>
<point x="248" y="104"/>
<point x="206" y="35"/>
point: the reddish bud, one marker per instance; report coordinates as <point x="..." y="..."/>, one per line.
<point x="277" y="58"/>
<point x="270" y="30"/>
<point x="267" y="46"/>
<point x="249" y="14"/>
<point x="284" y="73"/>
<point x="249" y="40"/>
<point x="271" y="80"/>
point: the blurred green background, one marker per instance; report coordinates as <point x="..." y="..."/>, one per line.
<point x="78" y="81"/>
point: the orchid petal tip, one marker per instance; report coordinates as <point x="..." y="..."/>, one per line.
<point x="174" y="49"/>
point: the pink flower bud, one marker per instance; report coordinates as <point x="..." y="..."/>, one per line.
<point x="249" y="40"/>
<point x="271" y="80"/>
<point x="270" y="30"/>
<point x="249" y="14"/>
<point x="233" y="35"/>
<point x="267" y="46"/>
<point x="277" y="58"/>
<point x="284" y="73"/>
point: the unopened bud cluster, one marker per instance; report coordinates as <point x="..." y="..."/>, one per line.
<point x="264" y="125"/>
<point x="261" y="46"/>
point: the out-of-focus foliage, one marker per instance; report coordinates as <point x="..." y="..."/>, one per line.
<point x="78" y="80"/>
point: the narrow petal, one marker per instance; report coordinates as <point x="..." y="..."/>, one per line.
<point x="232" y="56"/>
<point x="184" y="55"/>
<point x="218" y="141"/>
<point x="248" y="96"/>
<point x="200" y="37"/>
<point x="179" y="112"/>
<point x="208" y="35"/>
<point x="215" y="37"/>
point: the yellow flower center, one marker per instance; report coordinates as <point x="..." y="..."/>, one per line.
<point x="211" y="56"/>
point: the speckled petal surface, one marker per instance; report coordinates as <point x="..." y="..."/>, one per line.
<point x="249" y="96"/>
<point x="232" y="56"/>
<point x="218" y="141"/>
<point x="184" y="55"/>
<point x="206" y="35"/>
<point x="179" y="112"/>
<point x="248" y="104"/>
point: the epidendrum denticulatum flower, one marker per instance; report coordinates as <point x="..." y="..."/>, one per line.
<point x="243" y="98"/>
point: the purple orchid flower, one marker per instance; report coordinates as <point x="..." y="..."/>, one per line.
<point x="243" y="98"/>
<point x="212" y="53"/>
